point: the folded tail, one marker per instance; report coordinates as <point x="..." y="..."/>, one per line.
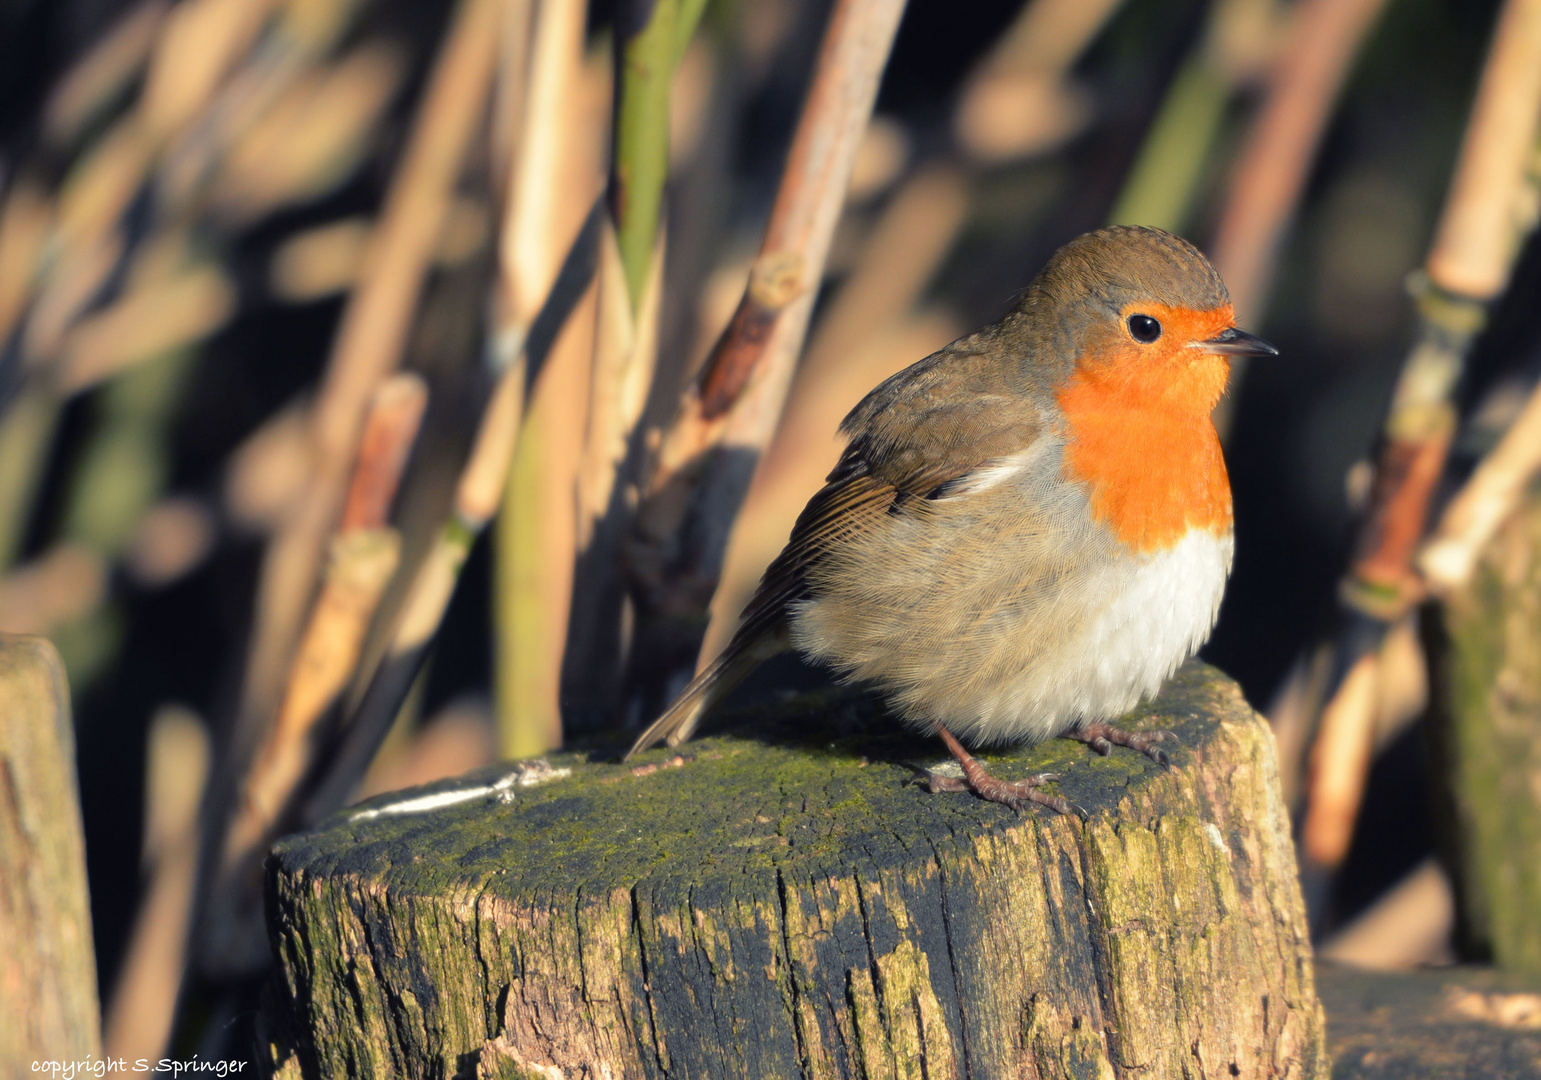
<point x="716" y="682"/>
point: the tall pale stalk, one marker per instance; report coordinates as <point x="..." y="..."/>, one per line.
<point x="697" y="476"/>
<point x="554" y="179"/>
<point x="650" y="36"/>
<point x="372" y="333"/>
<point x="1467" y="268"/>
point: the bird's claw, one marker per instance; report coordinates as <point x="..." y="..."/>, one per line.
<point x="1102" y="737"/>
<point x="937" y="783"/>
<point x="1017" y="794"/>
<point x="1151" y="750"/>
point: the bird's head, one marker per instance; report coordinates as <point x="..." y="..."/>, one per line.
<point x="1141" y="314"/>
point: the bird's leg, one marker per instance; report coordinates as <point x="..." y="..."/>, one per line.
<point x="1102" y="737"/>
<point x="1017" y="794"/>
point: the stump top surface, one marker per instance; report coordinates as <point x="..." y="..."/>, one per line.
<point x="788" y="900"/>
<point x="827" y="776"/>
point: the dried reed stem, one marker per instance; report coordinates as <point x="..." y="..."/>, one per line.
<point x="1019" y="100"/>
<point x="555" y="178"/>
<point x="1236" y="45"/>
<point x="1485" y="502"/>
<point x="1266" y="183"/>
<point x="478" y="494"/>
<point x="1408" y="927"/>
<point x="26" y="432"/>
<point x="697" y="476"/>
<point x="651" y="35"/>
<point x="1469" y="262"/>
<point x="1467" y="266"/>
<point x="26" y="222"/>
<point x="201" y="42"/>
<point x="847" y="355"/>
<point x="142" y="1009"/>
<point x="1499" y="483"/>
<point x="364" y="555"/>
<point x="625" y="352"/>
<point x="373" y="331"/>
<point x="98" y="76"/>
<point x="1477" y="238"/>
<point x="1163" y="182"/>
<point x="1340" y="762"/>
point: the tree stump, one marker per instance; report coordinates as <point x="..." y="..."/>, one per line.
<point x="1490" y="734"/>
<point x="787" y="900"/>
<point x="48" y="1008"/>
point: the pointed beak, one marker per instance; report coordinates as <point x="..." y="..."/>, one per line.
<point x="1234" y="342"/>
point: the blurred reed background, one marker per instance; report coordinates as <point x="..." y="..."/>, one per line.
<point x="297" y="297"/>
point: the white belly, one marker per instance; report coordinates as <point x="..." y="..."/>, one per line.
<point x="1150" y="617"/>
<point x="1011" y="630"/>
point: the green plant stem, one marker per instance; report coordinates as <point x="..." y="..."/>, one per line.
<point x="646" y="53"/>
<point x="685" y="24"/>
<point x="1163" y="183"/>
<point x="121" y="472"/>
<point x="527" y="725"/>
<point x="26" y="434"/>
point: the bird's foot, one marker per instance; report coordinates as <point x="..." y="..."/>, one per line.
<point x="1103" y="737"/>
<point x="1017" y="794"/>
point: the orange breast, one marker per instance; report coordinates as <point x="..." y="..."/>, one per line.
<point x="1154" y="468"/>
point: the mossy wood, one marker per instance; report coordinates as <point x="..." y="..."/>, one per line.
<point x="48" y="1007"/>
<point x="788" y="901"/>
<point x="1490" y="735"/>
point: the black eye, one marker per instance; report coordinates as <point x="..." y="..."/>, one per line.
<point x="1144" y="329"/>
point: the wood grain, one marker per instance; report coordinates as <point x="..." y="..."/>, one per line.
<point x="788" y="901"/>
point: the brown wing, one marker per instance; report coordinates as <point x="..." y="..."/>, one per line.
<point x="921" y="430"/>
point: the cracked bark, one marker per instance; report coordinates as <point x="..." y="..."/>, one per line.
<point x="789" y="902"/>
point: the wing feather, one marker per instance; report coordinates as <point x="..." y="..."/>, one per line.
<point x="919" y="432"/>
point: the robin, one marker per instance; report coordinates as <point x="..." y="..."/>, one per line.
<point x="1029" y="530"/>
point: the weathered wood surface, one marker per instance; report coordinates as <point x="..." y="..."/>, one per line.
<point x="789" y="902"/>
<point x="1454" y="1024"/>
<point x="48" y="1006"/>
<point x="1490" y="737"/>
